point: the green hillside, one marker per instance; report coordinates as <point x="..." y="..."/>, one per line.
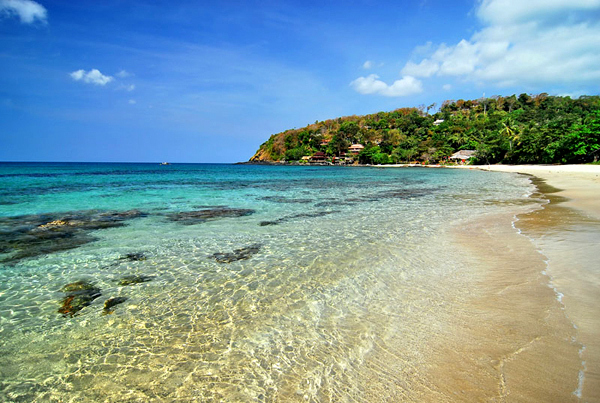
<point x="522" y="129"/>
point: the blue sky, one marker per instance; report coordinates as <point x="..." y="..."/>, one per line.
<point x="209" y="81"/>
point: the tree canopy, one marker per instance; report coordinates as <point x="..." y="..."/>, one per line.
<point x="532" y="129"/>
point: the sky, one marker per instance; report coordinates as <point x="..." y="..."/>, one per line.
<point x="209" y="81"/>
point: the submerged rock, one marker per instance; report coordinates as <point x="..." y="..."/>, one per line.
<point x="111" y="302"/>
<point x="80" y="285"/>
<point x="81" y="294"/>
<point x="29" y="247"/>
<point x="200" y="216"/>
<point x="296" y="216"/>
<point x="133" y="279"/>
<point x="134" y="257"/>
<point x="281" y="199"/>
<point x="238" y="254"/>
<point x="39" y="234"/>
<point x="334" y="203"/>
<point x="54" y="224"/>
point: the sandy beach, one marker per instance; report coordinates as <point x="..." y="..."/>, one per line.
<point x="580" y="184"/>
<point x="538" y="298"/>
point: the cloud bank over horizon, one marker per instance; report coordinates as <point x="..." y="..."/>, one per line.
<point x="533" y="44"/>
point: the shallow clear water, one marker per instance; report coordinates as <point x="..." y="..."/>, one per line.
<point x="281" y="299"/>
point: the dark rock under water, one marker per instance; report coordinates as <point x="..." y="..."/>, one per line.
<point x="237" y="254"/>
<point x="134" y="257"/>
<point x="200" y="216"/>
<point x="296" y="216"/>
<point x="281" y="199"/>
<point x="133" y="279"/>
<point x="34" y="235"/>
<point x="80" y="294"/>
<point x="112" y="302"/>
<point x="81" y="285"/>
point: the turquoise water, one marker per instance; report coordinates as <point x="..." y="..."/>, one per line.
<point x="252" y="283"/>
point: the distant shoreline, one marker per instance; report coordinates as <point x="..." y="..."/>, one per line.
<point x="578" y="183"/>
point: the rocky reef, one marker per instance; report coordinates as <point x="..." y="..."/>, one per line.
<point x="133" y="279"/>
<point x="134" y="257"/>
<point x="34" y="235"/>
<point x="237" y="254"/>
<point x="287" y="200"/>
<point x="112" y="302"/>
<point x="296" y="216"/>
<point x="79" y="295"/>
<point x="29" y="236"/>
<point x="200" y="216"/>
<point x="82" y="293"/>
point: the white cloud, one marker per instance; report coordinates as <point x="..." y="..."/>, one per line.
<point x="129" y="87"/>
<point x="28" y="11"/>
<point x="123" y="74"/>
<point x="368" y="65"/>
<point x="534" y="43"/>
<point x="77" y="75"/>
<point x="424" y="69"/>
<point x="132" y="102"/>
<point x="423" y="49"/>
<point x="408" y="85"/>
<point x="459" y="60"/>
<point x="371" y="84"/>
<point x="92" y="77"/>
<point x="510" y="11"/>
<point x="447" y="87"/>
<point x="368" y="85"/>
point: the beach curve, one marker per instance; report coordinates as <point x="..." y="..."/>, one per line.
<point x="566" y="232"/>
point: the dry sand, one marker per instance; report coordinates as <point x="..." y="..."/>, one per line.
<point x="532" y="331"/>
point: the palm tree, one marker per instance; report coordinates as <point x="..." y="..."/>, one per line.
<point x="460" y="136"/>
<point x="511" y="131"/>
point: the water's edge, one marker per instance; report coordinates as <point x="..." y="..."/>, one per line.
<point x="297" y="284"/>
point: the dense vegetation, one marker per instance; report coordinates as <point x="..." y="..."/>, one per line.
<point x="522" y="129"/>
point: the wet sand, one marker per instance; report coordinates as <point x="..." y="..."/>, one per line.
<point x="580" y="184"/>
<point x="503" y="337"/>
<point x="531" y="331"/>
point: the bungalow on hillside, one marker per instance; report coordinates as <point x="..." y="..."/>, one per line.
<point x="319" y="156"/>
<point x="462" y="156"/>
<point x="438" y="122"/>
<point x="356" y="148"/>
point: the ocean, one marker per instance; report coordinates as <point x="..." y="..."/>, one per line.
<point x="201" y="282"/>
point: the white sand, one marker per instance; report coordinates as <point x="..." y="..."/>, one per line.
<point x="549" y="312"/>
<point x="567" y="233"/>
<point x="579" y="183"/>
<point x="531" y="332"/>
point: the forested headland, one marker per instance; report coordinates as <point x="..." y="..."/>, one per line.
<point x="523" y="129"/>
